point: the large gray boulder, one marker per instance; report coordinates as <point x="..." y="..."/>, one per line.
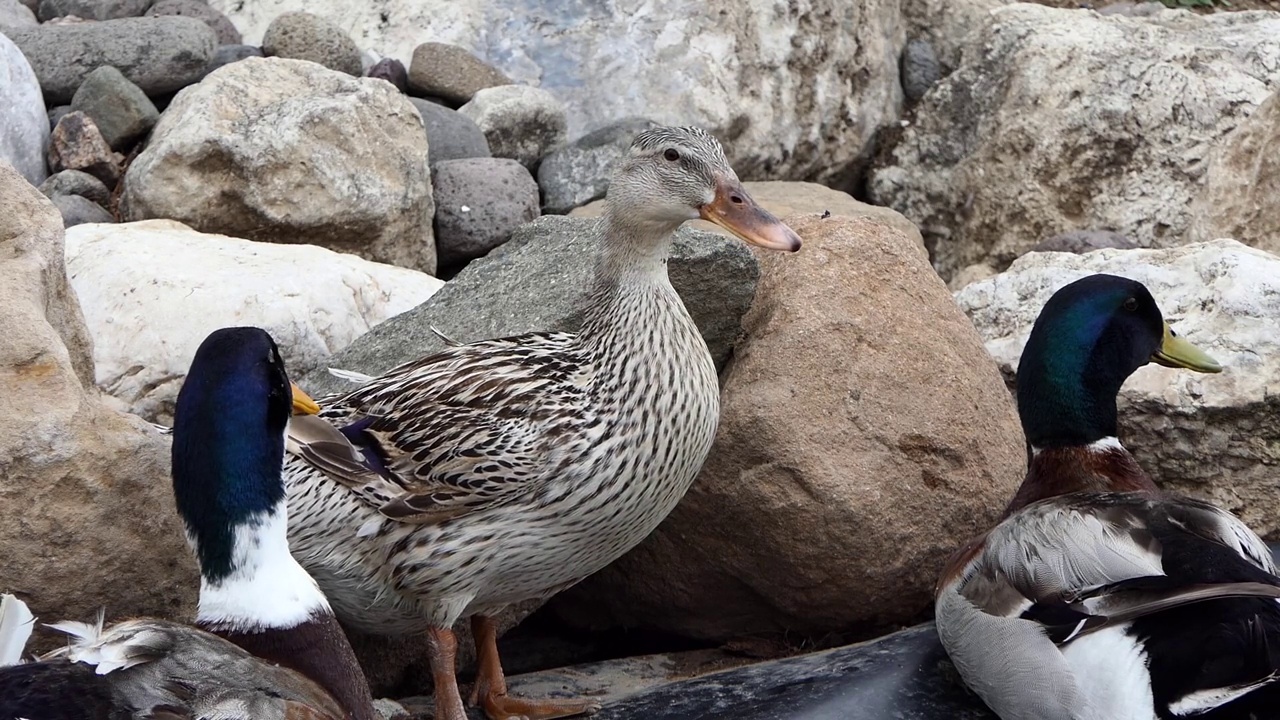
<point x="1059" y="120"/>
<point x="158" y="54"/>
<point x="537" y="281"/>
<point x="799" y="90"/>
<point x="24" y="126"/>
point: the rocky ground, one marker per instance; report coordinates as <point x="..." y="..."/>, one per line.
<point x="354" y="177"/>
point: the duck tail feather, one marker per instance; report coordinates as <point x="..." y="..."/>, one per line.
<point x="16" y="625"/>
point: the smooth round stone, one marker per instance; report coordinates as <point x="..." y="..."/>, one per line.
<point x="221" y="26"/>
<point x="75" y="182"/>
<point x="521" y="122"/>
<point x="77" y="210"/>
<point x="451" y="72"/>
<point x="450" y="134"/>
<point x="119" y="108"/>
<point x="14" y="14"/>
<point x="91" y="9"/>
<point x="303" y="36"/>
<point x="920" y="69"/>
<point x="158" y="54"/>
<point x="391" y="70"/>
<point x="479" y="203"/>
<point x="24" y="131"/>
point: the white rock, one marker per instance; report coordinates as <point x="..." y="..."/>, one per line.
<point x="14" y="14"/>
<point x="24" y="126"/>
<point x="798" y="88"/>
<point x="1212" y="436"/>
<point x="288" y="151"/>
<point x="147" y="317"/>
<point x="1059" y="120"/>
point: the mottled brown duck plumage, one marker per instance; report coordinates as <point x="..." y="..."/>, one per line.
<point x="505" y="470"/>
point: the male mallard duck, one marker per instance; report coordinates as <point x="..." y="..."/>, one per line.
<point x="506" y="470"/>
<point x="1099" y="597"/>
<point x="268" y="645"/>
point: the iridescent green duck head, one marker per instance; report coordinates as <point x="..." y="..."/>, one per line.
<point x="1090" y="337"/>
<point x="674" y="174"/>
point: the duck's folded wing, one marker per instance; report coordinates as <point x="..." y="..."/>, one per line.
<point x="451" y="461"/>
<point x="178" y="671"/>
<point x="466" y="428"/>
<point x="1074" y="566"/>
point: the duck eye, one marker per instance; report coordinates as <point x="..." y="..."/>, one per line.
<point x="1131" y="304"/>
<point x="671" y="154"/>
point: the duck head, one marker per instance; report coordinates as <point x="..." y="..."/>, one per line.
<point x="1089" y="338"/>
<point x="674" y="174"/>
<point x="228" y="450"/>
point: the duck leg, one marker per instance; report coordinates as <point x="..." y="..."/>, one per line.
<point x="442" y="650"/>
<point x="490" y="691"/>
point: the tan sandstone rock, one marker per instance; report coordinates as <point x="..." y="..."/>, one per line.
<point x="1241" y="195"/>
<point x="280" y="150"/>
<point x="865" y="433"/>
<point x="84" y="490"/>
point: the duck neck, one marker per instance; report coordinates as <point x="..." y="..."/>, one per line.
<point x="267" y="604"/>
<point x="318" y="649"/>
<point x="630" y="275"/>
<point x="1100" y="466"/>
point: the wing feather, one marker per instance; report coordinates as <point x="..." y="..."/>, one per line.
<point x="469" y="427"/>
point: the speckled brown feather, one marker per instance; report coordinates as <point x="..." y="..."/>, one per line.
<point x="174" y="669"/>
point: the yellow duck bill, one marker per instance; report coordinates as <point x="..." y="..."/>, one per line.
<point x="1176" y="352"/>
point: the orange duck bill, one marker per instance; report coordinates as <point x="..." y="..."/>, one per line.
<point x="735" y="211"/>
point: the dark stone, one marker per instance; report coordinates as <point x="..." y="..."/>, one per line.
<point x="537" y="281"/>
<point x="227" y="54"/>
<point x="391" y="70"/>
<point x="158" y="54"/>
<point x="920" y="69"/>
<point x="77" y="210"/>
<point x="578" y="173"/>
<point x="77" y="144"/>
<point x="75" y="182"/>
<point x="905" y="676"/>
<point x="479" y="203"/>
<point x="902" y="676"/>
<point x="119" y="108"/>
<point x="221" y="26"/>
<point x="56" y="113"/>
<point x="450" y="134"/>
<point x="1083" y="241"/>
<point x="91" y="9"/>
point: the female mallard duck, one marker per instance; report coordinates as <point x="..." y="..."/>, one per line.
<point x="268" y="645"/>
<point x="1099" y="597"/>
<point x="506" y="470"/>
